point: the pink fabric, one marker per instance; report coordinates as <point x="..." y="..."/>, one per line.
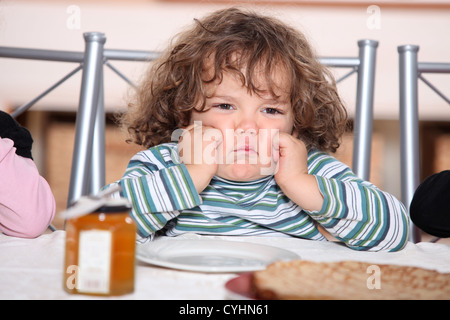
<point x="27" y="204"/>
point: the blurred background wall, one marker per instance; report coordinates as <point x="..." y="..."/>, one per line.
<point x="333" y="27"/>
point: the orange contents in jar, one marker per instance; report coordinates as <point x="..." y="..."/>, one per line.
<point x="100" y="251"/>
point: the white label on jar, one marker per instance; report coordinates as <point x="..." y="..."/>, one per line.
<point x="94" y="261"/>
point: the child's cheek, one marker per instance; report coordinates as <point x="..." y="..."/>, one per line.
<point x="228" y="144"/>
<point x="267" y="138"/>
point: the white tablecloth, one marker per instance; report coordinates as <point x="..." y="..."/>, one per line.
<point x="33" y="268"/>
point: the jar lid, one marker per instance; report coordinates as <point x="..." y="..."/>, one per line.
<point x="97" y="203"/>
<point x="114" y="206"/>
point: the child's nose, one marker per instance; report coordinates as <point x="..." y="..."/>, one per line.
<point x="247" y="125"/>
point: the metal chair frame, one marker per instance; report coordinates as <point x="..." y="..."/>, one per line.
<point x="410" y="71"/>
<point x="88" y="163"/>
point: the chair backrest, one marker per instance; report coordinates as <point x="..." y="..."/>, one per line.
<point x="410" y="71"/>
<point x="88" y="163"/>
<point x="364" y="66"/>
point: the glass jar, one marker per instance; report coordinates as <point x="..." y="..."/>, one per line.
<point x="100" y="251"/>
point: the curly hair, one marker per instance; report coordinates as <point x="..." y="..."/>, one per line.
<point x="175" y="83"/>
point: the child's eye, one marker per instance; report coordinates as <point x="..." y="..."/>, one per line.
<point x="272" y="111"/>
<point x="224" y="106"/>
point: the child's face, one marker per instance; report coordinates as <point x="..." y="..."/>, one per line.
<point x="248" y="122"/>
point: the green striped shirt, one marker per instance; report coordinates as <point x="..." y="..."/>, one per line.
<point x="164" y="200"/>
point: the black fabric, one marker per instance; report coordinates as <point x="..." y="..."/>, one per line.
<point x="430" y="207"/>
<point x="10" y="128"/>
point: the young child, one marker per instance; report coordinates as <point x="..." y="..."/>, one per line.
<point x="238" y="117"/>
<point x="27" y="205"/>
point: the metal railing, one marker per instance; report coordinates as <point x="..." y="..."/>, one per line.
<point x="364" y="66"/>
<point x="88" y="163"/>
<point x="410" y="71"/>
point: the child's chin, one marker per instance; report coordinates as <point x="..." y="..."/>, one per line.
<point x="242" y="172"/>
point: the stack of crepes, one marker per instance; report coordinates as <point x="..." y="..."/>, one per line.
<point x="350" y="280"/>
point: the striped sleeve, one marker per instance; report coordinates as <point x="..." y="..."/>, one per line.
<point x="355" y="211"/>
<point x="158" y="186"/>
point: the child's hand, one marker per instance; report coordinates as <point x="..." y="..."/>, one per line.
<point x="290" y="155"/>
<point x="291" y="175"/>
<point x="198" y="148"/>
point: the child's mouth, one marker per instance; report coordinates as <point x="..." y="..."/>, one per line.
<point x="247" y="149"/>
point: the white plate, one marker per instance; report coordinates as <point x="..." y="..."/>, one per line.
<point x="211" y="255"/>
